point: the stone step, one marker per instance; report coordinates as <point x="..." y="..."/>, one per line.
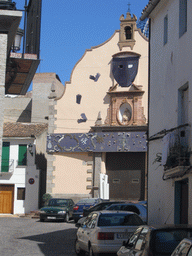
<point x="32" y="214"/>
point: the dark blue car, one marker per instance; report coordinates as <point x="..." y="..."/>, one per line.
<point x="85" y="203"/>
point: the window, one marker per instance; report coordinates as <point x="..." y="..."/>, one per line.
<point x="22" y="159"/>
<point x="128" y="32"/>
<point x="141" y="240"/>
<point x="133" y="238"/>
<point x="20" y="193"/>
<point x="165" y="29"/>
<point x="183" y="101"/>
<point x="132" y="208"/>
<point x="182" y="17"/>
<point x="5" y="157"/>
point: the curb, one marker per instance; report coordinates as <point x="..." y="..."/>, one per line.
<point x="9" y="215"/>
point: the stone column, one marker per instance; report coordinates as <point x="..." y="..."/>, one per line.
<point x="3" y="59"/>
<point x="97" y="158"/>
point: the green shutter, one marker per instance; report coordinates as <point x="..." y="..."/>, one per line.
<point x="22" y="155"/>
<point x="5" y="157"/>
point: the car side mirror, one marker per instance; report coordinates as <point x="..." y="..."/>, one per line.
<point x="129" y="245"/>
<point x="78" y="225"/>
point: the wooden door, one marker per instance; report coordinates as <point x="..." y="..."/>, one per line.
<point x="6" y="198"/>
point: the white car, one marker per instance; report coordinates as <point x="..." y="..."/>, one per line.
<point x="104" y="231"/>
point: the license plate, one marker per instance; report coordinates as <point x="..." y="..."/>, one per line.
<point x="51" y="218"/>
<point x="123" y="235"/>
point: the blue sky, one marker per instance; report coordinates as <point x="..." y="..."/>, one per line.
<point x="68" y="28"/>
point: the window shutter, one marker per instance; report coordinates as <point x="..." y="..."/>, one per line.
<point x="22" y="155"/>
<point x="5" y="157"/>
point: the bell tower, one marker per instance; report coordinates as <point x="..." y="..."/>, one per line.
<point x="127" y="31"/>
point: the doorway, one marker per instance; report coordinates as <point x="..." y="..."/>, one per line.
<point x="126" y="175"/>
<point x="6" y="198"/>
<point x="181" y="202"/>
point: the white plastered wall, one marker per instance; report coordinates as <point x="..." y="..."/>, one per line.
<point x="170" y="70"/>
<point x="20" y="177"/>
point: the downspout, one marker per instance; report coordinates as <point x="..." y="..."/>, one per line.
<point x="149" y="61"/>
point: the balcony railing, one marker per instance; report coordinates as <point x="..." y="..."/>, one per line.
<point x="178" y="151"/>
<point x="179" y="155"/>
<point x="7" y="166"/>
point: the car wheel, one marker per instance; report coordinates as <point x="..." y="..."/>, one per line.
<point x="42" y="220"/>
<point x="67" y="217"/>
<point x="78" y="250"/>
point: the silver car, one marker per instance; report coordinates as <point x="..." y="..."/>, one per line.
<point x="104" y="231"/>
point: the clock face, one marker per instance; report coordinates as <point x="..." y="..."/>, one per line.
<point x="125" y="113"/>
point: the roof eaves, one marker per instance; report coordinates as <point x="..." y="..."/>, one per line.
<point x="149" y="8"/>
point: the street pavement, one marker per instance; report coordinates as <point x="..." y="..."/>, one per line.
<point x="29" y="237"/>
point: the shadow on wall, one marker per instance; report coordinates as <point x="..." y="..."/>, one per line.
<point x="41" y="163"/>
<point x="26" y="114"/>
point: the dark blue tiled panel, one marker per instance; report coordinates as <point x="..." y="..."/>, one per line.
<point x="97" y="142"/>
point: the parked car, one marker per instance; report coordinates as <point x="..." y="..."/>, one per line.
<point x="104" y="231"/>
<point x="143" y="203"/>
<point x="99" y="207"/>
<point x="155" y="241"/>
<point x="85" y="203"/>
<point x="140" y="209"/>
<point x="57" y="208"/>
<point x="184" y="248"/>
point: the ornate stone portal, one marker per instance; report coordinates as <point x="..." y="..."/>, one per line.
<point x="126" y="107"/>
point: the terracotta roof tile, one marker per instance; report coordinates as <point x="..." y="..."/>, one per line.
<point x="11" y="129"/>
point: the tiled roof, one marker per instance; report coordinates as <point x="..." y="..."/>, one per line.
<point x="11" y="129"/>
<point x="149" y="8"/>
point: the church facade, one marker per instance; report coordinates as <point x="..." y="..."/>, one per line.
<point x="98" y="148"/>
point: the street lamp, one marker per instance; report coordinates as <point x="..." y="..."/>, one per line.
<point x="17" y="42"/>
<point x="30" y="149"/>
<point x="7" y="5"/>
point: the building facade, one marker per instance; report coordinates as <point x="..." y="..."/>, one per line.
<point x="169" y="156"/>
<point x="19" y="178"/>
<point x="98" y="146"/>
<point x="26" y="128"/>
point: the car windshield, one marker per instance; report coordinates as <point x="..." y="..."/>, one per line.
<point x="165" y="241"/>
<point x="100" y="207"/>
<point x="58" y="202"/>
<point x="118" y="219"/>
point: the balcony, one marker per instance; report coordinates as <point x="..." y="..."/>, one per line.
<point x="20" y="71"/>
<point x="178" y="156"/>
<point x="178" y="159"/>
<point x="21" y="67"/>
<point x="7" y="166"/>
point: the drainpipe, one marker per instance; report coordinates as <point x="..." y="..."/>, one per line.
<point x="149" y="62"/>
